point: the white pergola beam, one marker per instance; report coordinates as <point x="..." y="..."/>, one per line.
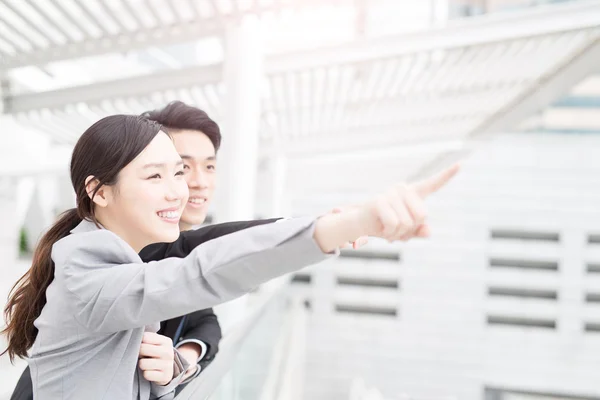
<point x="487" y="29"/>
<point x="27" y="22"/>
<point x="137" y="86"/>
<point x="76" y="22"/>
<point x="550" y="87"/>
<point x="546" y="90"/>
<point x="44" y="13"/>
<point x="366" y="138"/>
<point x="40" y="170"/>
<point x="127" y="87"/>
<point x="491" y="28"/>
<point x="140" y="39"/>
<point x="111" y="14"/>
<point x="125" y="41"/>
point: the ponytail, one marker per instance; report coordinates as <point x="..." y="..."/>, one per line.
<point x="28" y="296"/>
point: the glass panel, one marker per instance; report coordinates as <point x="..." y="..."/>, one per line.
<point x="247" y="375"/>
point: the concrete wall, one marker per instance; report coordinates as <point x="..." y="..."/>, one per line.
<point x="530" y="201"/>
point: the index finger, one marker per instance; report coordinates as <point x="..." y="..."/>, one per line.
<point x="433" y="184"/>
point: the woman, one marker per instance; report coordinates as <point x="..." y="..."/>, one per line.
<point x="88" y="298"/>
<point x="199" y="325"/>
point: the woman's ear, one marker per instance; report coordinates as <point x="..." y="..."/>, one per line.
<point x="91" y="183"/>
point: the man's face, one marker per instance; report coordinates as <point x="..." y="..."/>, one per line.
<point x="200" y="163"/>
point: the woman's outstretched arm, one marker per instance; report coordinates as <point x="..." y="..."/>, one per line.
<point x="113" y="290"/>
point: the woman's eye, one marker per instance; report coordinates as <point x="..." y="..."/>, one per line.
<point x="179" y="173"/>
<point x="212" y="167"/>
<point x="185" y="166"/>
<point x="155" y="176"/>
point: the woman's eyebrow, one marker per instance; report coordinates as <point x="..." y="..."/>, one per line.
<point x="160" y="165"/>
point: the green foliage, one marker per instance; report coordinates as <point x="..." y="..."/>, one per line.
<point x="23" y="242"/>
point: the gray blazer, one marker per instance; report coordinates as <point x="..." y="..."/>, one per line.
<point x="103" y="298"/>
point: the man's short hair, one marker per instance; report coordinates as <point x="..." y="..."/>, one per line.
<point x="179" y="116"/>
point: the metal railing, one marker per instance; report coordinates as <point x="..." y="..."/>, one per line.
<point x="261" y="357"/>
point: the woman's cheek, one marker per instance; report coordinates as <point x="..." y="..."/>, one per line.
<point x="184" y="192"/>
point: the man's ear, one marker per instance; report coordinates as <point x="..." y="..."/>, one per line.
<point x="90" y="185"/>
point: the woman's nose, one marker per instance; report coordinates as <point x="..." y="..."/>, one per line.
<point x="177" y="190"/>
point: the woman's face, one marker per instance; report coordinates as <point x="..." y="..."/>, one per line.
<point x="145" y="205"/>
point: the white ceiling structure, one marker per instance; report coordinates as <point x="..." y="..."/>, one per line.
<point x="347" y="92"/>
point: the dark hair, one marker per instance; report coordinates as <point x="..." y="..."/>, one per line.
<point x="179" y="116"/>
<point x="102" y="151"/>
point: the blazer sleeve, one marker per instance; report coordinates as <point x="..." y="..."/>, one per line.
<point x="189" y="240"/>
<point x="110" y="295"/>
<point x="202" y="326"/>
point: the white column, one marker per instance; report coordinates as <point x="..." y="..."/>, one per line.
<point x="8" y="226"/>
<point x="42" y="208"/>
<point x="243" y="76"/>
<point x="9" y="234"/>
<point x="440" y="12"/>
<point x="272" y="192"/>
<point x="4" y="90"/>
<point x="279" y="191"/>
<point x="238" y="157"/>
<point x="9" y="229"/>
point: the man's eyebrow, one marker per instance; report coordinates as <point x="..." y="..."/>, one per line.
<point x="188" y="157"/>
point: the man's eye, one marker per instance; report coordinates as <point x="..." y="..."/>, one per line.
<point x="211" y="167"/>
<point x="155" y="176"/>
<point x="179" y="173"/>
<point x="185" y="166"/>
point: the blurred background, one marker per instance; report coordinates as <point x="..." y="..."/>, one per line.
<point x="323" y="103"/>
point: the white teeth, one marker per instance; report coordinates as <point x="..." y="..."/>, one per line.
<point x="168" y="214"/>
<point x="197" y="201"/>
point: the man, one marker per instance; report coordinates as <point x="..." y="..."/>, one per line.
<point x="197" y="139"/>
